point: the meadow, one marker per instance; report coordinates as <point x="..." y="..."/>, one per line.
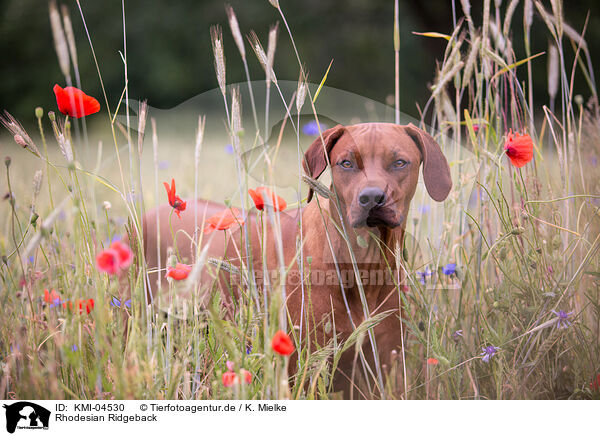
<point x="503" y="278"/>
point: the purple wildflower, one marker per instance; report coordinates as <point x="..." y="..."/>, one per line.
<point x="312" y="128"/>
<point x="563" y="319"/>
<point x="229" y="149"/>
<point x="74" y="348"/>
<point x="488" y="352"/>
<point x="457" y="334"/>
<point x="422" y="276"/>
<point x="117" y="303"/>
<point x="449" y="269"/>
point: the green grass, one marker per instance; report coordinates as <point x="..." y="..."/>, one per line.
<point x="525" y="241"/>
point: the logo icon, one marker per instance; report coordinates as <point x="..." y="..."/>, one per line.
<point x="26" y="415"/>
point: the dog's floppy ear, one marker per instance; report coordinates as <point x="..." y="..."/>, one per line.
<point x="315" y="158"/>
<point x="436" y="171"/>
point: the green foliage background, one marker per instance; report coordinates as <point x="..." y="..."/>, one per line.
<point x="170" y="58"/>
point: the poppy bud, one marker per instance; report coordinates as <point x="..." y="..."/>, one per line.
<point x="52" y="116"/>
<point x="7" y="161"/>
<point x="39" y="112"/>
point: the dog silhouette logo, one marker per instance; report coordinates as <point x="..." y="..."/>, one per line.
<point x="26" y="415"/>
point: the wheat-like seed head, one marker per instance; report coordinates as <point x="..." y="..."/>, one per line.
<point x="199" y="138"/>
<point x="466" y="6"/>
<point x="142" y="115"/>
<point x="225" y="266"/>
<point x="60" y="42"/>
<point x="557" y="11"/>
<point x="499" y="39"/>
<point x="236" y="117"/>
<point x="317" y="186"/>
<point x="527" y="14"/>
<point x="260" y="54"/>
<point x="19" y="134"/>
<point x="510" y="10"/>
<point x="471" y="61"/>
<point x="217" y="44"/>
<point x="553" y="71"/>
<point x="235" y="31"/>
<point x="37" y="182"/>
<point x="63" y="143"/>
<point x="271" y="52"/>
<point x="300" y="94"/>
<point x="445" y="78"/>
<point x="546" y="17"/>
<point x="69" y="33"/>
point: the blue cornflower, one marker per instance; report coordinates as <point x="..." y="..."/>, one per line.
<point x="115" y="238"/>
<point x="422" y="276"/>
<point x="312" y="128"/>
<point x="424" y="209"/>
<point x="457" y="334"/>
<point x="488" y="352"/>
<point x="30" y="259"/>
<point x="164" y="164"/>
<point x="229" y="149"/>
<point x="248" y="348"/>
<point x="117" y="303"/>
<point x="74" y="347"/>
<point x="563" y="319"/>
<point x="449" y="269"/>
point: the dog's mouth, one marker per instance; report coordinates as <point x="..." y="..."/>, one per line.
<point x="379" y="217"/>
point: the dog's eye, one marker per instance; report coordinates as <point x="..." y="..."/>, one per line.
<point x="345" y="164"/>
<point x="400" y="163"/>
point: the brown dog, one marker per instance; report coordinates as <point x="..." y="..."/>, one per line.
<point x="375" y="169"/>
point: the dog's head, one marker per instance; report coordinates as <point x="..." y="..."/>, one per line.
<point x="375" y="169"/>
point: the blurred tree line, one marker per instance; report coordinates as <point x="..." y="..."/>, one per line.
<point x="170" y="56"/>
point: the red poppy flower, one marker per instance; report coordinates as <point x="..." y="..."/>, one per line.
<point x="519" y="148"/>
<point x="74" y="102"/>
<point x="246" y="375"/>
<point x="230" y="378"/>
<point x="258" y="196"/>
<point x="88" y="305"/>
<point x="595" y="385"/>
<point x="223" y="220"/>
<point x="282" y="344"/>
<point x="432" y="361"/>
<point x="82" y="305"/>
<point x="124" y="253"/>
<point x="180" y="272"/>
<point x="51" y="297"/>
<point x="174" y="200"/>
<point x="108" y="261"/>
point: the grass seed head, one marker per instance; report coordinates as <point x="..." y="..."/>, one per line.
<point x="216" y="36"/>
<point x="235" y="31"/>
<point x="60" y="41"/>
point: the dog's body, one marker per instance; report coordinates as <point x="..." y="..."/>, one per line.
<point x="375" y="169"/>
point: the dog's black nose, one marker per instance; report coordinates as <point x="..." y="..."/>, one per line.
<point x="371" y="197"/>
